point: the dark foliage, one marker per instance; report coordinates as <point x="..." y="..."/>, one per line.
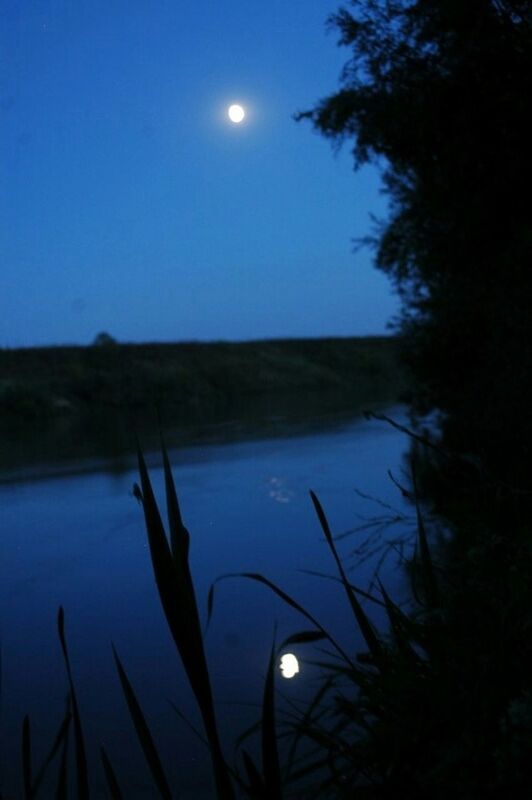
<point x="438" y="92"/>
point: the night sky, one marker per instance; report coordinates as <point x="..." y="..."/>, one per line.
<point x="131" y="204"/>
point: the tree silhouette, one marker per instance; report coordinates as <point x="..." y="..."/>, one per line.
<point x="438" y="93"/>
<point x="104" y="339"/>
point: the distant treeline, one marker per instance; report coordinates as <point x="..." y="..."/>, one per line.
<point x="53" y="381"/>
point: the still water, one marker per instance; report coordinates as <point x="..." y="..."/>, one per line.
<point x="77" y="539"/>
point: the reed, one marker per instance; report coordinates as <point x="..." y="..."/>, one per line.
<point x="423" y="710"/>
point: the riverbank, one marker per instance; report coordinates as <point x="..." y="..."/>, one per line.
<point x="43" y="383"/>
<point x="69" y="403"/>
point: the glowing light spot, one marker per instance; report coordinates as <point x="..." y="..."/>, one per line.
<point x="278" y="492"/>
<point x="289" y="665"/>
<point x="236" y="113"/>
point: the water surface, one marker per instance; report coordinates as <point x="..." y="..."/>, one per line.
<point x="78" y="540"/>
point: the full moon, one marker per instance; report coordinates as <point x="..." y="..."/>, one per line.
<point x="236" y="113"/>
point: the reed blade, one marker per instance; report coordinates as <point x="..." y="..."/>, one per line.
<point x="270" y="755"/>
<point x="174" y="586"/>
<point x="306" y="723"/>
<point x="256" y="790"/>
<point x="250" y="730"/>
<point x="62" y="774"/>
<point x="399" y="624"/>
<point x="61" y="734"/>
<point x="26" y="758"/>
<point x="364" y="624"/>
<point x="143" y="732"/>
<point x="81" y="758"/>
<point x="210" y="605"/>
<point x="430" y="585"/>
<point x="286" y="598"/>
<point x="303" y="637"/>
<point x="110" y="776"/>
<point x="176" y="592"/>
<point x="179" y="536"/>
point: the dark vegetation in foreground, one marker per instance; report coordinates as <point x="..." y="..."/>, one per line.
<point x="42" y="383"/>
<point x="438" y="706"/>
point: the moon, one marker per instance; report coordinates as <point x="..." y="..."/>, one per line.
<point x="236" y="113"/>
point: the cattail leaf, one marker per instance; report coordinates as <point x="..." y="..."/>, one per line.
<point x="189" y="724"/>
<point x="61" y="734"/>
<point x="143" y="732"/>
<point x="306" y="721"/>
<point x="429" y="579"/>
<point x="210" y="605"/>
<point x="81" y="759"/>
<point x="256" y="789"/>
<point x="397" y="623"/>
<point x="254" y="728"/>
<point x="179" y="536"/>
<point x="176" y="591"/>
<point x="286" y="598"/>
<point x="270" y="757"/>
<point x="174" y="584"/>
<point x="336" y="579"/>
<point x="26" y="758"/>
<point x="304" y="637"/>
<point x="110" y="776"/>
<point x="62" y="774"/>
<point x="364" y="624"/>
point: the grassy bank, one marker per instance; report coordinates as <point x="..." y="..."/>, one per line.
<point x="71" y="381"/>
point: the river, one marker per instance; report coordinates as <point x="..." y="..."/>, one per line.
<point x="73" y="535"/>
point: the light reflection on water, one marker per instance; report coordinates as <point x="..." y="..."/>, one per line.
<point x="79" y="541"/>
<point x="289" y="666"/>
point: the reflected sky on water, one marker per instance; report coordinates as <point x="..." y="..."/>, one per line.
<point x="79" y="541"/>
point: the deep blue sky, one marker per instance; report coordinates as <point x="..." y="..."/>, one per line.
<point x="130" y="204"/>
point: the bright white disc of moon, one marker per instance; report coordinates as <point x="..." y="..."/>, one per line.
<point x="236" y="113"/>
<point x="289" y="665"/>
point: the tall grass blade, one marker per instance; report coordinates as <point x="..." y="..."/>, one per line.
<point x="286" y="598"/>
<point x="62" y="775"/>
<point x="303" y="637"/>
<point x="399" y="624"/>
<point x="189" y="724"/>
<point x="336" y="579"/>
<point x="256" y="789"/>
<point x="81" y="758"/>
<point x="26" y="758"/>
<point x="112" y="783"/>
<point x="306" y="722"/>
<point x="364" y="624"/>
<point x="210" y="605"/>
<point x="62" y="734"/>
<point x="176" y="591"/>
<point x="179" y="536"/>
<point x="250" y="730"/>
<point x="430" y="585"/>
<point x="270" y="756"/>
<point x="143" y="732"/>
